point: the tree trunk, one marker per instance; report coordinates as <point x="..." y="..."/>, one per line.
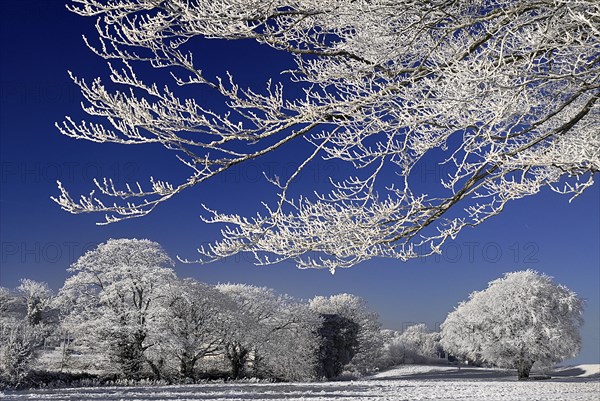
<point x="256" y="363"/>
<point x="186" y="367"/>
<point x="156" y="368"/>
<point x="524" y="369"/>
<point x="237" y="355"/>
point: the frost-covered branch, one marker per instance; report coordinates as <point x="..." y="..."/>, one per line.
<point x="502" y="95"/>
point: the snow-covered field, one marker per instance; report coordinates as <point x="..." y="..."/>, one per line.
<point x="404" y="383"/>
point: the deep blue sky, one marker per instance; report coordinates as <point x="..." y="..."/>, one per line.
<point x="41" y="41"/>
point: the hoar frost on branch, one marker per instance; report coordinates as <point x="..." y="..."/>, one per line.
<point x="503" y="93"/>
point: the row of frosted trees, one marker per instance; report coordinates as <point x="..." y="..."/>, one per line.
<point x="123" y="312"/>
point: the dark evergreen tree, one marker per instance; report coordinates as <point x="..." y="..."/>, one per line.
<point x="339" y="343"/>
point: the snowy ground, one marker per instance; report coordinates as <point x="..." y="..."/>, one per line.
<point x="404" y="383"/>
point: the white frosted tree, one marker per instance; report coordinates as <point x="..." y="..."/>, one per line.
<point x="24" y="326"/>
<point x="275" y="334"/>
<point x="354" y="308"/>
<point x="113" y="298"/>
<point x="423" y="341"/>
<point x="518" y="320"/>
<point x="5" y="300"/>
<point x="500" y="96"/>
<point x="290" y="351"/>
<point x="20" y="343"/>
<point x="414" y="345"/>
<point x="192" y="324"/>
<point x="38" y="298"/>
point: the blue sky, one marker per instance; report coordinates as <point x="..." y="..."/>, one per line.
<point x="41" y="41"/>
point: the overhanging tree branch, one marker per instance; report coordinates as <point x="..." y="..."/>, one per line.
<point x="506" y="92"/>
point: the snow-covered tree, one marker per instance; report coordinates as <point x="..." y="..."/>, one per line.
<point x="276" y="333"/>
<point x="419" y="337"/>
<point x="290" y="351"/>
<point x="192" y="324"/>
<point x="355" y="309"/>
<point x="38" y="298"/>
<point x="500" y="96"/>
<point x="413" y="345"/>
<point x="5" y="300"/>
<point x="23" y="328"/>
<point x="113" y="298"/>
<point x="20" y="344"/>
<point x="518" y="320"/>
